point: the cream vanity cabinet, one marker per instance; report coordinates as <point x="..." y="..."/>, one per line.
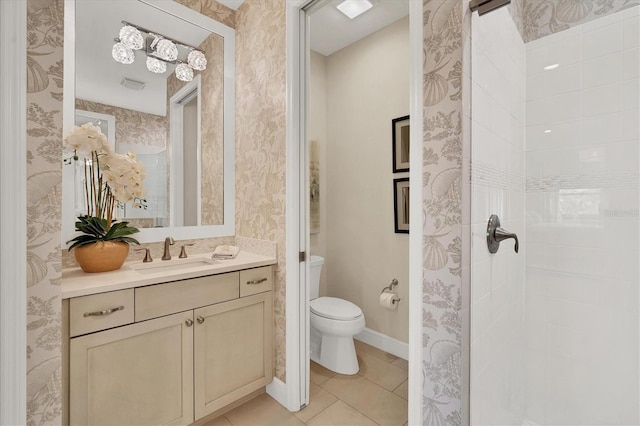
<point x="171" y="353"/>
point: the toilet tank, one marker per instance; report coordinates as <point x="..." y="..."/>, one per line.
<point x="315" y="264"/>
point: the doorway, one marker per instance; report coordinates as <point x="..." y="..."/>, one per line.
<point x="297" y="24"/>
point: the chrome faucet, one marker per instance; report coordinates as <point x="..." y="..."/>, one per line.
<point x="167" y="242"/>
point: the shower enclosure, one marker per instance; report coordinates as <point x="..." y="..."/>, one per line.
<point x="554" y="127"/>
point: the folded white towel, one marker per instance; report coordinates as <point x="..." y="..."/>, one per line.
<point x="225" y="252"/>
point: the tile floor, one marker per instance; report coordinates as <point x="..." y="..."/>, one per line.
<point x="377" y="395"/>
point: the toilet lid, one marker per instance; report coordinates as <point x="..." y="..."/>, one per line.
<point x="335" y="308"/>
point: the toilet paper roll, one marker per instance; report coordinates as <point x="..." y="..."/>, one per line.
<point x="386" y="301"/>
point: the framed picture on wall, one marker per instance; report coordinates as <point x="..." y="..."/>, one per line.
<point x="400" y="128"/>
<point x="401" y="205"/>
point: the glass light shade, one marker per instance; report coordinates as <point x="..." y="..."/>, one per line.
<point x="184" y="72"/>
<point x="167" y="50"/>
<point x="122" y="54"/>
<point x="197" y="60"/>
<point x="156" y="65"/>
<point x="353" y="8"/>
<point x="131" y="37"/>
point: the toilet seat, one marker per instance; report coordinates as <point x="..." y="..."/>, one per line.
<point x="335" y="308"/>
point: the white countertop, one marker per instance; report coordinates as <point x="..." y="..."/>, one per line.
<point x="76" y="283"/>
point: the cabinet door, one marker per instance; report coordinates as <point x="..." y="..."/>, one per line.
<point x="139" y="374"/>
<point x="233" y="351"/>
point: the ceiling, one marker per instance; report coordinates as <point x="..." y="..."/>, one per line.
<point x="332" y="31"/>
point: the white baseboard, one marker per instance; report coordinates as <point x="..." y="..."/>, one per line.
<point x="384" y="343"/>
<point x="277" y="390"/>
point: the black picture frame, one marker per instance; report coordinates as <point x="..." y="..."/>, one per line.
<point x="401" y="143"/>
<point x="401" y="203"/>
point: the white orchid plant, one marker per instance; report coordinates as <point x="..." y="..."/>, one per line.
<point x="110" y="179"/>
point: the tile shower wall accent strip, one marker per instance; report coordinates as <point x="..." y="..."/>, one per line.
<point x="622" y="180"/>
<point x="486" y="175"/>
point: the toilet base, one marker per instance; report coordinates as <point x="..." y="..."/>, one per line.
<point x="334" y="353"/>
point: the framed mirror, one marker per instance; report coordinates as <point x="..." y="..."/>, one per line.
<point x="180" y="126"/>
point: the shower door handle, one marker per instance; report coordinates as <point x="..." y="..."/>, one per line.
<point x="495" y="234"/>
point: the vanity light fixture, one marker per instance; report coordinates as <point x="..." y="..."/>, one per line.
<point x="353" y="8"/>
<point x="160" y="51"/>
<point x="131" y="37"/>
<point x="156" y="65"/>
<point x="184" y="72"/>
<point x="122" y="53"/>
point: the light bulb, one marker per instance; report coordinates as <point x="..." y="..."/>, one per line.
<point x="156" y="65"/>
<point x="131" y="37"/>
<point x="122" y="54"/>
<point x="184" y="72"/>
<point x="167" y="50"/>
<point x="197" y="60"/>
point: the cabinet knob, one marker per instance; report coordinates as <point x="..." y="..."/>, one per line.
<point x="189" y="322"/>
<point x="200" y="319"/>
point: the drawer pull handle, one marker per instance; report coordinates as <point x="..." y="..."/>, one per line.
<point x="258" y="281"/>
<point x="105" y="312"/>
<point x="200" y="319"/>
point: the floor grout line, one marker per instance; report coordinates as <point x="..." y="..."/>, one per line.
<point x="337" y="398"/>
<point x="309" y="421"/>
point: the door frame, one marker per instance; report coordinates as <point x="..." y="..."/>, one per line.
<point x="13" y="212"/>
<point x="295" y="392"/>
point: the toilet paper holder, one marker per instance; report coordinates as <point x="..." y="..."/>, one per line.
<point x="390" y="287"/>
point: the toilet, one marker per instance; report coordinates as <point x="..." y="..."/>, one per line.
<point x="334" y="322"/>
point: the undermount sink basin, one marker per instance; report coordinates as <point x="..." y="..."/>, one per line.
<point x="171" y="265"/>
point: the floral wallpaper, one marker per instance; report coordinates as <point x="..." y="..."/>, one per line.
<point x="261" y="142"/>
<point x="212" y="9"/>
<point x="442" y="216"/>
<point x="132" y="127"/>
<point x="538" y="18"/>
<point x="44" y="197"/>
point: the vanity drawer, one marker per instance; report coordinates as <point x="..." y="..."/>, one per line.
<point x="258" y="280"/>
<point x="96" y="312"/>
<point x="177" y="296"/>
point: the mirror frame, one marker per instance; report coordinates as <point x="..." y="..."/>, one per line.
<point x="148" y="235"/>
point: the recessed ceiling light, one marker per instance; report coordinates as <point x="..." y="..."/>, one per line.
<point x="353" y="8"/>
<point x="551" y="67"/>
<point x="548" y="131"/>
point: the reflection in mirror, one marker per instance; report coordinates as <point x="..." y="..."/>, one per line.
<point x="181" y="130"/>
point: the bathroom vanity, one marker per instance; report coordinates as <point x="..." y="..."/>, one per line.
<point x="170" y="344"/>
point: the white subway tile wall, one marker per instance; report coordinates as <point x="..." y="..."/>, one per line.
<point x="498" y="187"/>
<point x="582" y="209"/>
<point x="555" y="126"/>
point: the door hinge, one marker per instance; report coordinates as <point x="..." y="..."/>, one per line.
<point x="303" y="256"/>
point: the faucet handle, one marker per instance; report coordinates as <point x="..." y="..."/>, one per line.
<point x="169" y="241"/>
<point x="495" y="234"/>
<point x="147" y="254"/>
<point x="183" y="252"/>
